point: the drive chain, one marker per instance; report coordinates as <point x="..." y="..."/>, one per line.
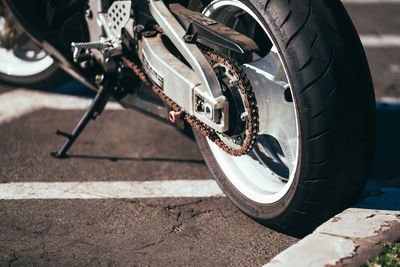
<point x="242" y="83"/>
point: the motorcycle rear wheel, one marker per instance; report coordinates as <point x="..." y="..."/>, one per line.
<point x="316" y="105"/>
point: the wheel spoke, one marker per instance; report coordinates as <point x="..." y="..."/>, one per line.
<point x="270" y="66"/>
<point x="274" y="101"/>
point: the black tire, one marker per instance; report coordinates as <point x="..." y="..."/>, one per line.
<point x="332" y="88"/>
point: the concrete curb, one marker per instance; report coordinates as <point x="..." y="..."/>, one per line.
<point x="351" y="237"/>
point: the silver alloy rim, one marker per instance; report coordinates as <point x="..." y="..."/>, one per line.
<point x="21" y="61"/>
<point x="266" y="174"/>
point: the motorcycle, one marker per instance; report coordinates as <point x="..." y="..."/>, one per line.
<point x="278" y="93"/>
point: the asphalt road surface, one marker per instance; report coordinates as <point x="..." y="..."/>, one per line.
<point x="126" y="146"/>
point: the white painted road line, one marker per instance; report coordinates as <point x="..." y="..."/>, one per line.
<point x="20" y="102"/>
<point x="110" y="190"/>
<point x="380" y="41"/>
<point x="377" y="2"/>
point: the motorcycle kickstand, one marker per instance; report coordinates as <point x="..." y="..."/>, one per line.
<point x="95" y="109"/>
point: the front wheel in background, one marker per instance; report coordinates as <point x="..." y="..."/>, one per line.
<point x="22" y="62"/>
<point x="32" y="68"/>
<point x="316" y="108"/>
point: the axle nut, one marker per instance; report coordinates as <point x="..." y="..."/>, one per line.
<point x="208" y="111"/>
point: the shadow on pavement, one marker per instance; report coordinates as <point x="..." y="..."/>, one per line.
<point x="382" y="191"/>
<point x="111" y="158"/>
<point x="387" y="156"/>
<point x="75" y="88"/>
<point x="384" y="199"/>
